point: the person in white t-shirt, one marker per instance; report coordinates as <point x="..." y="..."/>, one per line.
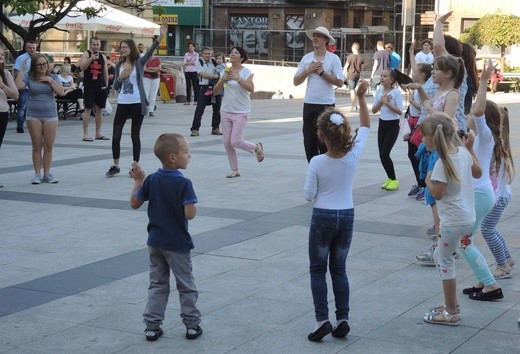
<point x="450" y="183"/>
<point x="330" y="177"/>
<point x="425" y="55"/>
<point x="323" y="71"/>
<point x="235" y="109"/>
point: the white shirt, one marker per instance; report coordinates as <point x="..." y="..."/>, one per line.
<point x="503" y="188"/>
<point x="423" y="57"/>
<point x="237" y="99"/>
<point x="396" y="100"/>
<point x="457" y="206"/>
<point x="319" y="90"/>
<point x="208" y="67"/>
<point x="67" y="81"/>
<point x="129" y="92"/>
<point x="483" y="147"/>
<point x="329" y="180"/>
<point x="417" y="98"/>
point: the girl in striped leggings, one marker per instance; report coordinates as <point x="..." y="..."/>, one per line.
<point x="503" y="173"/>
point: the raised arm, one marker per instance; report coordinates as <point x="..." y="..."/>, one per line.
<point x="479" y="106"/>
<point x="364" y="116"/>
<point x="411" y="53"/>
<point x="439" y="45"/>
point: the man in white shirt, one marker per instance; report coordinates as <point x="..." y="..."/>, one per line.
<point x="323" y="71"/>
<point x="425" y="55"/>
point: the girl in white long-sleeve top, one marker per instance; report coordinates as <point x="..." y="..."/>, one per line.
<point x="329" y="181"/>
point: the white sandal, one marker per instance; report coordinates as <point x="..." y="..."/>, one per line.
<point x="234" y="174"/>
<point x="442" y="318"/>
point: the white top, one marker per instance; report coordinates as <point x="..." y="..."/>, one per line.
<point x="67" y="81"/>
<point x="423" y="57"/>
<point x="129" y="92"/>
<point x="319" y="90"/>
<point x="457" y="206"/>
<point x="503" y="188"/>
<point x="483" y="147"/>
<point x="18" y="65"/>
<point x="396" y="99"/>
<point x="329" y="180"/>
<point x="236" y="99"/>
<point x="417" y="98"/>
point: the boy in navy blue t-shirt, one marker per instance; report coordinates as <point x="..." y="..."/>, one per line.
<point x="171" y="203"/>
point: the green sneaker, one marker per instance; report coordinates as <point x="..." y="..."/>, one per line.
<point x="387" y="182"/>
<point x="393" y="185"/>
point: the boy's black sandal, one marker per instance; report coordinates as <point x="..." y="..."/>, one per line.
<point x="198" y="332"/>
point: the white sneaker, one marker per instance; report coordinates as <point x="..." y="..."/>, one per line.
<point x="49" y="179"/>
<point x="37" y="179"/>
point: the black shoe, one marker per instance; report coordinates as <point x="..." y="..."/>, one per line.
<point x="198" y="332"/>
<point x="153" y="334"/>
<point x="321" y="332"/>
<point x="469" y="291"/>
<point x="342" y="330"/>
<point x="19" y="129"/>
<point x="112" y="171"/>
<point x="489" y="296"/>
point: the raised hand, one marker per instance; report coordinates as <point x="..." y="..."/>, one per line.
<point x="362" y="88"/>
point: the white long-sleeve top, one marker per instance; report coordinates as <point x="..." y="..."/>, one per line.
<point x="483" y="147"/>
<point x="329" y="180"/>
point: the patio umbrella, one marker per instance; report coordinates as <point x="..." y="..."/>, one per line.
<point x="108" y="20"/>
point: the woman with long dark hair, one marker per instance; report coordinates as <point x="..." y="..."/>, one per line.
<point x="131" y="102"/>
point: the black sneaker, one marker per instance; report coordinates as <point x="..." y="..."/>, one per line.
<point x="19" y="129"/>
<point x="114" y="170"/>
<point x="153" y="334"/>
<point x="198" y="332"/>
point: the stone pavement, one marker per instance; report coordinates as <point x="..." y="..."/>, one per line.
<point x="73" y="263"/>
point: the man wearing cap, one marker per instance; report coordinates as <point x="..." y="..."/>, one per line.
<point x="323" y="71"/>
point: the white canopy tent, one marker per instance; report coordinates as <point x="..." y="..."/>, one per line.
<point x="108" y="20"/>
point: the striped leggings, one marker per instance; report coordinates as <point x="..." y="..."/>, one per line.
<point x="493" y="237"/>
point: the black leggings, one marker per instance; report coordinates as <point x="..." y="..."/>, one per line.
<point x="192" y="79"/>
<point x="412" y="149"/>
<point x="387" y="134"/>
<point x="124" y="112"/>
<point x="4" y="118"/>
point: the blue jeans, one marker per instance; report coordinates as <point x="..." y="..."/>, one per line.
<point x="330" y="235"/>
<point x="22" y="106"/>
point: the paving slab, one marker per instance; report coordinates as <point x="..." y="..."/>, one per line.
<point x="73" y="257"/>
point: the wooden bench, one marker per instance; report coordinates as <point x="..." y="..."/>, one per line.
<point x="67" y="107"/>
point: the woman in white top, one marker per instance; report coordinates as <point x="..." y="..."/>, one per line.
<point x="7" y="89"/>
<point x="235" y="109"/>
<point x="330" y="177"/>
<point x="71" y="91"/>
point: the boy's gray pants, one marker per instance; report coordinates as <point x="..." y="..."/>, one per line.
<point x="161" y="261"/>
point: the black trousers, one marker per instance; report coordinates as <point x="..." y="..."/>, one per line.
<point x="202" y="102"/>
<point x="313" y="146"/>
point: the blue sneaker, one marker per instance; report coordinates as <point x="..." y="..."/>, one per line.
<point x="413" y="191"/>
<point x="420" y="194"/>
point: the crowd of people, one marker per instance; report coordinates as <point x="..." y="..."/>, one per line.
<point x="462" y="163"/>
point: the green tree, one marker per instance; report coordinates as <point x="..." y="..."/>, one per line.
<point x="55" y="11"/>
<point x="494" y="29"/>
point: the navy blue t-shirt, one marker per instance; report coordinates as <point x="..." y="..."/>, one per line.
<point x="167" y="191"/>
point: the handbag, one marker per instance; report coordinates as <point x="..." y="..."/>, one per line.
<point x="415" y="135"/>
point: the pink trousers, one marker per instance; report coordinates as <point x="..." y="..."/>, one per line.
<point x="233" y="126"/>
